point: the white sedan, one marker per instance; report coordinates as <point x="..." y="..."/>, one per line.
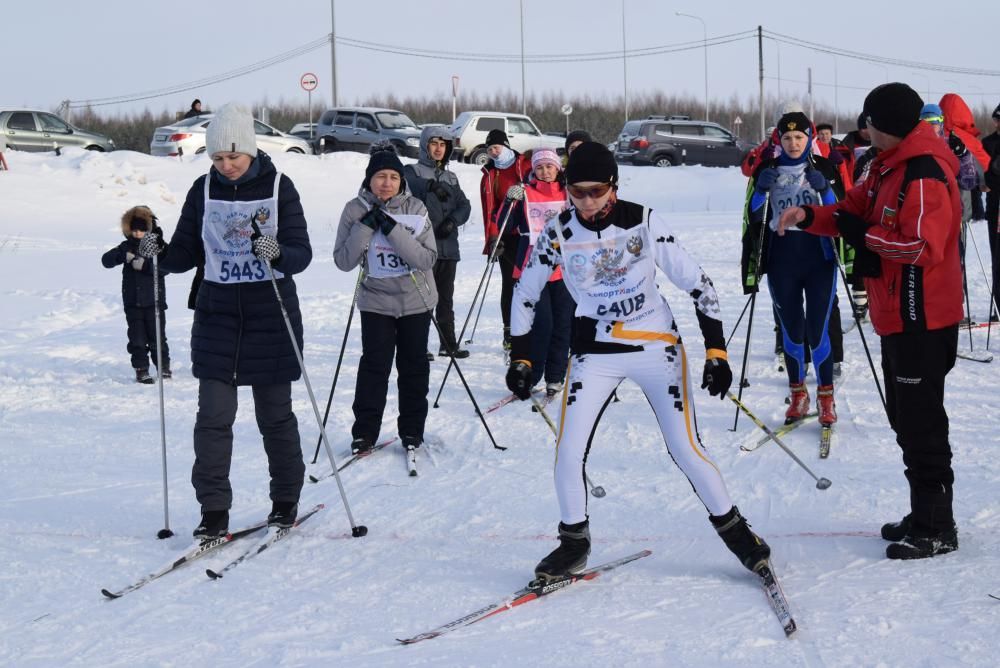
<point x="187" y="137"/>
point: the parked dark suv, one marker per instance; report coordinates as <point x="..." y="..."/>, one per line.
<point x="357" y="128"/>
<point x="676" y="140"/>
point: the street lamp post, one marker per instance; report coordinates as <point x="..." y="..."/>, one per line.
<point x="704" y="31"/>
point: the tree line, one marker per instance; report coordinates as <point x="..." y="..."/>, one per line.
<point x="602" y="116"/>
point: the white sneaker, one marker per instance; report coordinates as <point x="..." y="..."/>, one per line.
<point x="552" y="389"/>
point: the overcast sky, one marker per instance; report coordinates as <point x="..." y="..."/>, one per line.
<point x="104" y="48"/>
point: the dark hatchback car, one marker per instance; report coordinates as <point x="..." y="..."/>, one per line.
<point x="664" y="141"/>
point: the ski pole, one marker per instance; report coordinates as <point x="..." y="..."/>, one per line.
<point x="340" y="359"/>
<point x="357" y="530"/>
<point x="597" y="490"/>
<point x="468" y="390"/>
<point x="821" y="483"/>
<point x="864" y="341"/>
<point x="753" y="300"/>
<point x="482" y="303"/>
<point x="514" y="194"/>
<point x="739" y="320"/>
<point x="165" y="532"/>
<point x="993" y="301"/>
<point x="965" y="285"/>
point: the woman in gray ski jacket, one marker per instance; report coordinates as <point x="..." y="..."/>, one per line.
<point x="386" y="230"/>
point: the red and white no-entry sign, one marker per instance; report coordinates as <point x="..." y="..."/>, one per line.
<point x="309" y="81"/>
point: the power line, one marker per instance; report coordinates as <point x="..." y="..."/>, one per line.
<point x="324" y="41"/>
<point x="867" y="57"/>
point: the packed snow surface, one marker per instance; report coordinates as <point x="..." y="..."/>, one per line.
<point x="81" y="493"/>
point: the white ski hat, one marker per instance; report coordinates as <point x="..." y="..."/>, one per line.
<point x="231" y="131"/>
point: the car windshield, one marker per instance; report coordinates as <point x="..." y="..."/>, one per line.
<point x="394" y="120"/>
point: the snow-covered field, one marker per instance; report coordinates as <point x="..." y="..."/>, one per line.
<point x="81" y="502"/>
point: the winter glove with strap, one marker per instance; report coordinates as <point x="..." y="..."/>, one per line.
<point x="717" y="376"/>
<point x="766" y="179"/>
<point x="816" y="180"/>
<point x="519" y="379"/>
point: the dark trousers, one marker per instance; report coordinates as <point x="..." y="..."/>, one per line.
<point x="915" y="365"/>
<point x="383" y="337"/>
<point x="992" y="215"/>
<point x="213" y="442"/>
<point x="444" y="278"/>
<point x="797" y="267"/>
<point x="507" y="260"/>
<point x="550" y="333"/>
<point x="141" y="321"/>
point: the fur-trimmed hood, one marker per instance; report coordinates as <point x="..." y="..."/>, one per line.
<point x="142" y="212"/>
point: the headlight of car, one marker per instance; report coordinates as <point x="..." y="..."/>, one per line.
<point x="413" y="141"/>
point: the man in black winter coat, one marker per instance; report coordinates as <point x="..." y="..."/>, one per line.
<point x="138" y="296"/>
<point x="991" y="144"/>
<point x="448" y="208"/>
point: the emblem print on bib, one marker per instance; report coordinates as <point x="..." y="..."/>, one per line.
<point x="608" y="269"/>
<point x="634" y="245"/>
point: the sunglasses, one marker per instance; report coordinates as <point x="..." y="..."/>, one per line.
<point x="594" y="192"/>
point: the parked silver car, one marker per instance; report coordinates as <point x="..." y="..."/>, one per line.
<point x="357" y="128"/>
<point x="188" y="136"/>
<point x="33" y="130"/>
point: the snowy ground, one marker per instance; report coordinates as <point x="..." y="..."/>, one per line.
<point x="80" y="498"/>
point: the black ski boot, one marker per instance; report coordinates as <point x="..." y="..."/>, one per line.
<point x="411" y="442"/>
<point x="283" y="514"/>
<point x="896" y="531"/>
<point x="748" y="547"/>
<point x="361" y="446"/>
<point x="142" y="376"/>
<point x="918" y="544"/>
<point x="570" y="556"/>
<point x="214" y="523"/>
<point x="165" y="372"/>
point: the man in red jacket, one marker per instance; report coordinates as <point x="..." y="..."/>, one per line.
<point x="904" y="221"/>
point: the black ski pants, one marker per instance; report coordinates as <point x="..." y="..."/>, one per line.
<point x="507" y="259"/>
<point x="444" y="278"/>
<point x="992" y="221"/>
<point x="915" y="365"/>
<point x="141" y="321"/>
<point x="213" y="442"/>
<point x="382" y="337"/>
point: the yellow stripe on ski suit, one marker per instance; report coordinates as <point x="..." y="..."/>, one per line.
<point x="618" y="332"/>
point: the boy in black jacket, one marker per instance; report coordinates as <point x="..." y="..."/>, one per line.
<point x="138" y="296"/>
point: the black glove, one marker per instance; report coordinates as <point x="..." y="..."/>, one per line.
<point x="956" y="145"/>
<point x="373" y="218"/>
<point x="152" y="243"/>
<point x="265" y="247"/>
<point x="519" y="379"/>
<point x="816" y="180"/>
<point x="386" y="223"/>
<point x="436" y="187"/>
<point x="852" y="228"/>
<point x="444" y="230"/>
<point x="766" y="179"/>
<point x="717" y="377"/>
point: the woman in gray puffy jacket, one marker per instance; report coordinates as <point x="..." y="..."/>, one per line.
<point x="386" y="230"/>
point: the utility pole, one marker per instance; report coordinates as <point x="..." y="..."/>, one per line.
<point x="333" y="50"/>
<point x="624" y="64"/>
<point x="524" y="93"/>
<point x="760" y="77"/>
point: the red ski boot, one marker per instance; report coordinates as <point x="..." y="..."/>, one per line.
<point x="827" y="406"/>
<point x="798" y="403"/>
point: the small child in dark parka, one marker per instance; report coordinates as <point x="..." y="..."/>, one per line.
<point x="138" y="295"/>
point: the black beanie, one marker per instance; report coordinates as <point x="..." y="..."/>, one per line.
<point x="795" y="121"/>
<point x="591" y="161"/>
<point x="893" y="108"/>
<point x="497" y="137"/>
<point x="996" y="112"/>
<point x="575" y="136"/>
<point x="383" y="156"/>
